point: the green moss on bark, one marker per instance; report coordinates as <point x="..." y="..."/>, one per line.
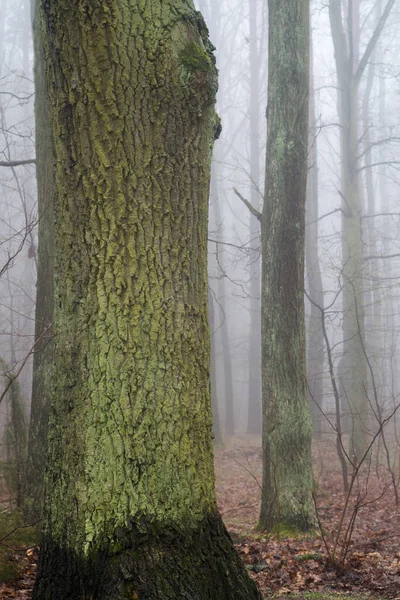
<point x="287" y="467"/>
<point x="194" y="58"/>
<point x="130" y="447"/>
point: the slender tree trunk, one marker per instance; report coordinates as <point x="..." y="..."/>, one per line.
<point x="228" y="373"/>
<point x="353" y="372"/>
<point x="42" y="381"/>
<point x="349" y="72"/>
<point x="254" y="412"/>
<point x="14" y="438"/>
<point x="3" y="12"/>
<point x="130" y="508"/>
<point x="373" y="300"/>
<point x="217" y="435"/>
<point x="229" y="425"/>
<point x="18" y="425"/>
<point x="352" y="257"/>
<point x="287" y="429"/>
<point x="391" y="387"/>
<point x="315" y="342"/>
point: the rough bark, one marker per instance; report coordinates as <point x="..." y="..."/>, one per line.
<point x="130" y="509"/>
<point x="287" y="472"/>
<point x="147" y="562"/>
<point x="41" y="382"/>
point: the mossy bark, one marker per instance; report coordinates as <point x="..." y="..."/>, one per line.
<point x="287" y="470"/>
<point x="130" y="508"/>
<point x="41" y="382"/>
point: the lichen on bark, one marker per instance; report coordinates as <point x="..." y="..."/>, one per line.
<point x="130" y="452"/>
<point x="287" y="468"/>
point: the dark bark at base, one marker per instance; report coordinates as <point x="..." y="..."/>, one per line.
<point x="146" y="564"/>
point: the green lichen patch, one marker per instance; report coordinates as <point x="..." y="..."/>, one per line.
<point x="309" y="556"/>
<point x="195" y="58"/>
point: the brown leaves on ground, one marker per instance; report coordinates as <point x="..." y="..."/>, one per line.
<point x="286" y="565"/>
<point x="21" y="589"/>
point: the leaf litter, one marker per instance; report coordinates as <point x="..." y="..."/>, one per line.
<point x="284" y="566"/>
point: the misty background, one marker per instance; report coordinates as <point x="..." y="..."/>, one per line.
<point x="239" y="31"/>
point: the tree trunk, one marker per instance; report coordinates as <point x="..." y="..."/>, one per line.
<point x="350" y="69"/>
<point x="229" y="425"/>
<point x="315" y="342"/>
<point x="287" y="471"/>
<point x="130" y="508"/>
<point x="15" y="431"/>
<point x="226" y="350"/>
<point x="217" y="435"/>
<point x="254" y="414"/>
<point x="373" y="300"/>
<point x="352" y="259"/>
<point x="41" y="383"/>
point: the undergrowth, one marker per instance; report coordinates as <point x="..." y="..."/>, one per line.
<point x="15" y="539"/>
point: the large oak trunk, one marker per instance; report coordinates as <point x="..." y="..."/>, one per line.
<point x="130" y="509"/>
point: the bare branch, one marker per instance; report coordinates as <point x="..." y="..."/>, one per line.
<point x="17" y="163"/>
<point x="378" y="143"/>
<point x="332" y="212"/>
<point x="381" y="256"/>
<point x="382" y="214"/>
<point x="373" y="41"/>
<point x="378" y="164"/>
<point x="338" y="36"/>
<point x="12" y="378"/>
<point x="251" y="208"/>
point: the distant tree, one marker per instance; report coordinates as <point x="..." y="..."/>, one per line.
<point x="15" y="432"/>
<point x="217" y="434"/>
<point x="254" y="410"/>
<point x="287" y="471"/>
<point x="221" y="290"/>
<point x="350" y="68"/>
<point x="130" y="509"/>
<point x="315" y="338"/>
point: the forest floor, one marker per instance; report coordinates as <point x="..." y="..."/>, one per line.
<point x="282" y="566"/>
<point x="300" y="566"/>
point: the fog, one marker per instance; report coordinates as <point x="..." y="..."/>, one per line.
<point x="239" y="31"/>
